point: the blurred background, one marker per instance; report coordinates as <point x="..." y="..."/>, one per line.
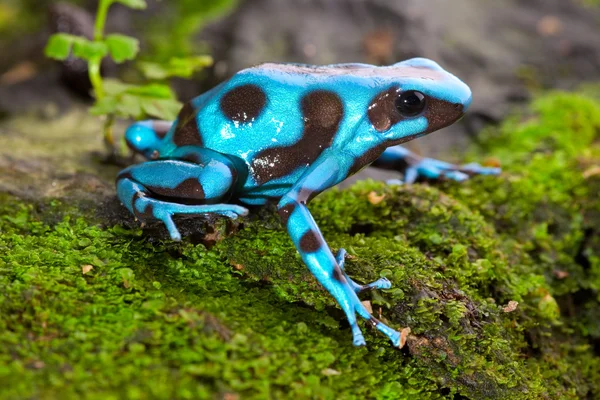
<point x="505" y="51"/>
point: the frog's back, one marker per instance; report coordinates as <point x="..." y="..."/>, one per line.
<point x="278" y="118"/>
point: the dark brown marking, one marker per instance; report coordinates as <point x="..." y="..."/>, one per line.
<point x="398" y="165"/>
<point x="338" y="274"/>
<point x="441" y="113"/>
<point x="310" y="242"/>
<point x="373" y="321"/>
<point x="161" y="128"/>
<point x="383" y="115"/>
<point x="368" y="157"/>
<point x="382" y="110"/>
<point x="192" y="157"/>
<point x="147" y="214"/>
<point x="190" y="188"/>
<point x="286" y="211"/>
<point x="243" y="103"/>
<point x="124" y="175"/>
<point x="322" y="112"/>
<point x="187" y="132"/>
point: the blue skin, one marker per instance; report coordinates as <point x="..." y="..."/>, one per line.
<point x="246" y="146"/>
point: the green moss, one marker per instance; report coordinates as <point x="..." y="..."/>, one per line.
<point x="98" y="311"/>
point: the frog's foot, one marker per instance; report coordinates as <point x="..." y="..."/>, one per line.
<point x="162" y="189"/>
<point x="434" y="169"/>
<point x="381" y="283"/>
<point x="414" y="167"/>
<point x="144" y="207"/>
<point x="351" y="305"/>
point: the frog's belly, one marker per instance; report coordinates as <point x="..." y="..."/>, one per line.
<point x="255" y="193"/>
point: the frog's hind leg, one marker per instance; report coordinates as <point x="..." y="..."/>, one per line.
<point x="163" y="188"/>
<point x="381" y="283"/>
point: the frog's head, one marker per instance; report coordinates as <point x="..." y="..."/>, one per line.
<point x="146" y="137"/>
<point x="417" y="98"/>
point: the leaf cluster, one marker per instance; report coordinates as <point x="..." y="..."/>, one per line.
<point x="114" y="97"/>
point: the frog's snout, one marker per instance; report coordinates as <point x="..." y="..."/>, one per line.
<point x="468" y="100"/>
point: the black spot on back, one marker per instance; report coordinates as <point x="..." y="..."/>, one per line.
<point x="187" y="132"/>
<point x="243" y="103"/>
<point x="322" y="111"/>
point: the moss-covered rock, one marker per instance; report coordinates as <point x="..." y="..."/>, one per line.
<point x="498" y="279"/>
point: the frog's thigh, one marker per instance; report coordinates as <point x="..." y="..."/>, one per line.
<point x="182" y="180"/>
<point x="163" y="188"/>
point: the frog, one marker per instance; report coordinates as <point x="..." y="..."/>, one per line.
<point x="284" y="133"/>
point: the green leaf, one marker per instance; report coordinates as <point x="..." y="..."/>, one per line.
<point x="59" y="46"/>
<point x="114" y="87"/>
<point x="108" y="105"/>
<point x="154" y="90"/>
<point x="88" y="50"/>
<point x="137" y="101"/>
<point x="166" y="109"/>
<point x="182" y="67"/>
<point x="136" y="4"/>
<point x="122" y="48"/>
<point x="130" y="107"/>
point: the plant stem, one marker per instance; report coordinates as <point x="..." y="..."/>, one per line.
<point x="96" y="77"/>
<point x="109" y="139"/>
<point x="101" y="19"/>
<point x="95" y="73"/>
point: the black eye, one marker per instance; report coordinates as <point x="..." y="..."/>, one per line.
<point x="410" y="103"/>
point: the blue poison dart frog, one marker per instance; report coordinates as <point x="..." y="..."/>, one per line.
<point x="287" y="132"/>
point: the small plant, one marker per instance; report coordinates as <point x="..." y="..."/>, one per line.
<point x="115" y="98"/>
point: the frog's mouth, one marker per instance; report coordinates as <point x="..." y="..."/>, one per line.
<point x="441" y="113"/>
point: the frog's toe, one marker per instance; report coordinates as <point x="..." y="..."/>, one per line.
<point x="381" y="283"/>
<point x="396" y="182"/>
<point x="340" y="257"/>
<point x="358" y="339"/>
<point x="167" y="218"/>
<point x="235" y="211"/>
<point x="456" y="175"/>
<point x="475" y="168"/>
<point x="394" y="336"/>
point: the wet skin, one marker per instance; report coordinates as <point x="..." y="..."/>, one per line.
<point x="287" y="132"/>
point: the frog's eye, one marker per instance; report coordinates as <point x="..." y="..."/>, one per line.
<point x="411" y="103"/>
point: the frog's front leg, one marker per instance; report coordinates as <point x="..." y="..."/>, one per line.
<point x="160" y="189"/>
<point x="314" y="250"/>
<point x="413" y="166"/>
